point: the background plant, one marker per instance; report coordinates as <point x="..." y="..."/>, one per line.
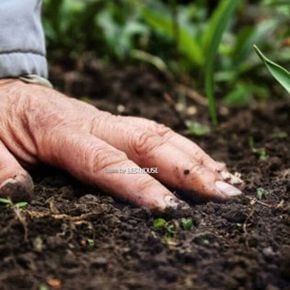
<point x="179" y="36"/>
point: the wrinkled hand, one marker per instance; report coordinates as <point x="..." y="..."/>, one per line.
<point x="39" y="124"/>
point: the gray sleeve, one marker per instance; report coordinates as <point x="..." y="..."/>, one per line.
<point x="22" y="44"/>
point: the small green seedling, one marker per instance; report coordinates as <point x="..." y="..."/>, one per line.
<point x="186" y="223"/>
<point x="197" y="129"/>
<point x="5" y="201"/>
<point x="159" y="223"/>
<point x="21" y="204"/>
<point x="91" y="243"/>
<point x="168" y="228"/>
<point x="278" y="72"/>
<point x="43" y="287"/>
<point x="261" y="153"/>
<point x="261" y="192"/>
<point x="171" y="229"/>
<point x="10" y="204"/>
<point x="206" y="242"/>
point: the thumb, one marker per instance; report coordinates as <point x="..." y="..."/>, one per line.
<point x="15" y="182"/>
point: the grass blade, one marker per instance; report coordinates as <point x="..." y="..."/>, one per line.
<point x="217" y="26"/>
<point x="188" y="46"/>
<point x="277" y="71"/>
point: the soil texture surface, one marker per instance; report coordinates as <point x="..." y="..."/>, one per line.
<point x="72" y="236"/>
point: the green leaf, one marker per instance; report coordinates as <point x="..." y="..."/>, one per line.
<point x="43" y="287"/>
<point x="5" y="201"/>
<point x="261" y="192"/>
<point x="197" y="129"/>
<point x="261" y="153"/>
<point x="245" y="39"/>
<point x="277" y="71"/>
<point x="239" y="96"/>
<point x="221" y="14"/>
<point x="91" y="243"/>
<point x="188" y="45"/>
<point x="243" y="45"/>
<point x="21" y="204"/>
<point x="186" y="223"/>
<point x="159" y="223"/>
<point x="217" y="26"/>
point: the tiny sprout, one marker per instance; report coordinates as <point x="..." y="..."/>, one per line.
<point x="159" y="223"/>
<point x="186" y="223"/>
<point x="261" y="153"/>
<point x="261" y="192"/>
<point x="91" y="243"/>
<point x="197" y="129"/>
<point x="10" y="204"/>
<point x="21" y="204"/>
<point x="43" y="287"/>
<point x="206" y="242"/>
<point x="5" y="201"/>
<point x="171" y="229"/>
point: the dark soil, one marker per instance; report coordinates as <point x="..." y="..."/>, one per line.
<point x="76" y="237"/>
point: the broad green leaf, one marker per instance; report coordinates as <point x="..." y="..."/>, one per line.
<point x="217" y="26"/>
<point x="277" y="71"/>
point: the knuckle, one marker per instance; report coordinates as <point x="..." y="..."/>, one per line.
<point x="161" y="129"/>
<point x="144" y="183"/>
<point x="103" y="158"/>
<point x="143" y="143"/>
<point x="40" y="116"/>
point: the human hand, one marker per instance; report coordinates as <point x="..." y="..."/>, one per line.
<point x="39" y="124"/>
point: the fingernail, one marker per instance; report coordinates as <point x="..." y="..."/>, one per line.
<point x="227" y="189"/>
<point x="174" y="203"/>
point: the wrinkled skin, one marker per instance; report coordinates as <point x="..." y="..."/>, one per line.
<point x="39" y="124"/>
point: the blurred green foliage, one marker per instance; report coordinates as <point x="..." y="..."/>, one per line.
<point x="180" y="36"/>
